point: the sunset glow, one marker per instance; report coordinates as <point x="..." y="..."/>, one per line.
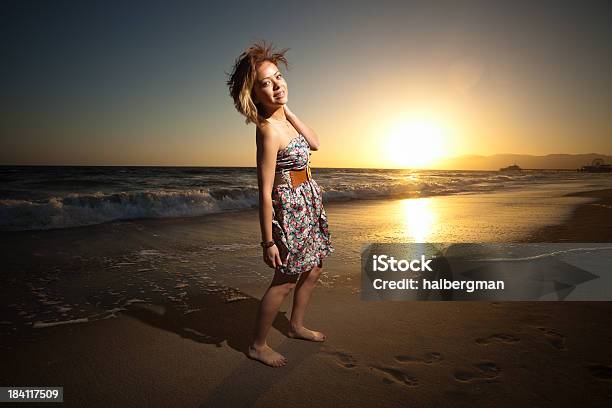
<point x="415" y="143"/>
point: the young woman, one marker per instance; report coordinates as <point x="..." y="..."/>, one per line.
<point x="294" y="227"/>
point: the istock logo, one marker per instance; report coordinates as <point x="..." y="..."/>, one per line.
<point x="381" y="264"/>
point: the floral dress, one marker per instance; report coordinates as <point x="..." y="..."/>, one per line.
<point x="299" y="223"/>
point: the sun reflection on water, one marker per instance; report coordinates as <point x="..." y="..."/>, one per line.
<point x="419" y="218"/>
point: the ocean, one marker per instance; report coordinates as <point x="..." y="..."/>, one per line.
<point x="49" y="197"/>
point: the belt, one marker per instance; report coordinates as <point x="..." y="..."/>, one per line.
<point x="297" y="177"/>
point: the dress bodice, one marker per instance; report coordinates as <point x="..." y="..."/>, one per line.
<point x="295" y="156"/>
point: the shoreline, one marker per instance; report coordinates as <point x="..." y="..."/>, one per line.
<point x="588" y="222"/>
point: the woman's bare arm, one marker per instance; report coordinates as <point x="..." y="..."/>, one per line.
<point x="301" y="127"/>
<point x="267" y="149"/>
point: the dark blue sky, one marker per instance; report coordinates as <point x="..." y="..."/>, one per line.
<point x="126" y="82"/>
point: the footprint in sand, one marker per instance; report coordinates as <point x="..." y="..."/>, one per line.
<point x="601" y="372"/>
<point x="393" y="375"/>
<point x="503" y="337"/>
<point x="344" y="359"/>
<point x="428" y="358"/>
<point x="557" y="340"/>
<point x="486" y="371"/>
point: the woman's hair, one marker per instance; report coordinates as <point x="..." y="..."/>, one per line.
<point x="244" y="74"/>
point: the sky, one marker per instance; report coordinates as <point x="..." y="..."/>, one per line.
<point x="385" y="84"/>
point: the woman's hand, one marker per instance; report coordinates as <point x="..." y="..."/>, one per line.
<point x="272" y="257"/>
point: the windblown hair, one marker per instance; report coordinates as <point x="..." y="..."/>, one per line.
<point x="244" y="74"/>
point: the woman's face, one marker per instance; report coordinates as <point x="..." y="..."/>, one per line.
<point x="270" y="88"/>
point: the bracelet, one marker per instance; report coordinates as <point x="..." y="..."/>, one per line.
<point x="267" y="244"/>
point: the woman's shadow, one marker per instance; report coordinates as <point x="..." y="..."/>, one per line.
<point x="216" y="318"/>
<point x="212" y="318"/>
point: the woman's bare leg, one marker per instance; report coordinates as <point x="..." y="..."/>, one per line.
<point x="280" y="287"/>
<point x="301" y="297"/>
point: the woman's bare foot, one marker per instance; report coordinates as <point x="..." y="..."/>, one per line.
<point x="267" y="356"/>
<point x="305" y="334"/>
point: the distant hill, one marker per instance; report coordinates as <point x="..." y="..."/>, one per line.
<point x="497" y="161"/>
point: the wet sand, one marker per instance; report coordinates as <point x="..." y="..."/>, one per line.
<point x="170" y="306"/>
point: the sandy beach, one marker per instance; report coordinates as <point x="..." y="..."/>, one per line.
<point x="166" y="308"/>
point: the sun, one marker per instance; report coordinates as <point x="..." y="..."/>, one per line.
<point x="415" y="142"/>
